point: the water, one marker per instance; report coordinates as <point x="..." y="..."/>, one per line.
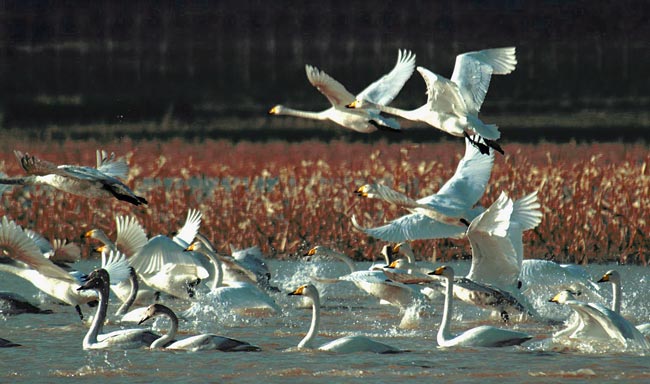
<point x="52" y="352"/>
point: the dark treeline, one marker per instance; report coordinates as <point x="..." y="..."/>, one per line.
<point x="110" y="61"/>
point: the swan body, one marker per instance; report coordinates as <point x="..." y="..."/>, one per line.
<point x="23" y="258"/>
<point x="4" y="343"/>
<point x="203" y="342"/>
<point x="457" y="198"/>
<point x="595" y="321"/>
<point x="99" y="281"/>
<point x="77" y="180"/>
<point x="614" y="278"/>
<point x="483" y="336"/>
<point x="453" y="104"/>
<point x="382" y="91"/>
<point x="14" y="304"/>
<point x="349" y="344"/>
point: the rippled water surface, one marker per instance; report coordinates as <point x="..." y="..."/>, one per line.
<point x="51" y="344"/>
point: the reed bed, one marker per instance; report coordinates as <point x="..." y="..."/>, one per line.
<point x="288" y="197"/>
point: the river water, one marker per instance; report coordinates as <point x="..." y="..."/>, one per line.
<point x="51" y="349"/>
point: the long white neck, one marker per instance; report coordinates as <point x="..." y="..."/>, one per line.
<point x="443" y="331"/>
<point x="305" y="114"/>
<point x="308" y="340"/>
<point x="133" y="279"/>
<point x="101" y="236"/>
<point x="616" y="300"/>
<point x="412" y="114"/>
<point x="345" y="259"/>
<point x="98" y="320"/>
<point x="217" y="279"/>
<point x="171" y="333"/>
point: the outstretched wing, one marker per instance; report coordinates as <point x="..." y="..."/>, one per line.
<point x="384" y="90"/>
<point x="35" y="166"/>
<point x="443" y="95"/>
<point x="332" y="89"/>
<point x="413" y="226"/>
<point x="108" y="165"/>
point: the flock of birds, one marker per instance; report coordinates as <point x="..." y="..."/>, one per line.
<point x="138" y="269"/>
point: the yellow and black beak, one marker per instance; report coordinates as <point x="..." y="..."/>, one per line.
<point x="298" y="292"/>
<point x="273" y="111"/>
<point x="362" y="191"/>
<point x="352" y="105"/>
<point x="604" y="279"/>
<point x="438" y="271"/>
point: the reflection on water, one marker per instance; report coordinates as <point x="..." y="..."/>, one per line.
<point x="52" y="352"/>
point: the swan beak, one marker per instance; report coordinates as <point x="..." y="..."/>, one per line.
<point x="464" y="221"/>
<point x="362" y="191"/>
<point x="604" y="279"/>
<point x="88" y="234"/>
<point x="101" y="248"/>
<point x="311" y="252"/>
<point x="438" y="271"/>
<point x="352" y="105"/>
<point x="392" y="265"/>
<point x="273" y="111"/>
<point x="555" y="299"/>
<point x="145" y="318"/>
<point x="298" y="291"/>
<point x="190" y="248"/>
<point x="396" y="247"/>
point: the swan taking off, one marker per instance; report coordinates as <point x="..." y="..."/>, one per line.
<point x="348" y="344"/>
<point x="595" y="321"/>
<point x="203" y="342"/>
<point x="457" y="198"/>
<point x="75" y="179"/>
<point x="453" y="105"/>
<point x="381" y="92"/>
<point x="483" y="336"/>
<point x="614" y="277"/>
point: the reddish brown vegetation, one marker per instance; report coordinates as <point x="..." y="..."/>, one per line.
<point x="287" y="197"/>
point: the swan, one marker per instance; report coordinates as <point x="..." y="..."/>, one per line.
<point x="202" y="342"/>
<point x="382" y="91"/>
<point x="4" y="343"/>
<point x="77" y="180"/>
<point x="99" y="281"/>
<point x="163" y="264"/>
<point x="457" y="198"/>
<point x="348" y="344"/>
<point x="483" y="336"/>
<point x="14" y="304"/>
<point x="595" y="321"/>
<point x="453" y="105"/>
<point x="237" y="296"/>
<point x="614" y="277"/>
<point x="22" y="257"/>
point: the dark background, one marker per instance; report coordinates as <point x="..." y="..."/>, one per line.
<point x="218" y="66"/>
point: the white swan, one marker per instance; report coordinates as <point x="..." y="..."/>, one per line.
<point x="238" y="296"/>
<point x="614" y="277"/>
<point x="202" y="342"/>
<point x="453" y="105"/>
<point x="99" y="281"/>
<point x="23" y="258"/>
<point x="457" y="198"/>
<point x="382" y="91"/>
<point x="163" y="264"/>
<point x="77" y="180"/>
<point x="348" y="344"/>
<point x="483" y="336"/>
<point x="595" y="321"/>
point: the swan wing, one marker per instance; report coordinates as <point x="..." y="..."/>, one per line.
<point x="212" y="342"/>
<point x="32" y="165"/>
<point x="526" y="212"/>
<point x="41" y="242"/>
<point x="413" y="226"/>
<point x="384" y="90"/>
<point x="131" y="237"/>
<point x="467" y="185"/>
<point x="116" y="265"/>
<point x="473" y="71"/>
<point x="111" y="166"/>
<point x="17" y="246"/>
<point x="443" y="95"/>
<point x="357" y="343"/>
<point x="187" y="233"/>
<point x="159" y="252"/>
<point x="488" y="336"/>
<point x="335" y="92"/>
<point x="64" y="252"/>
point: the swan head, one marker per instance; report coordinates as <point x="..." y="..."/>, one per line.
<point x="399" y="264"/>
<point x="612" y="276"/>
<point x="564" y="296"/>
<point x="308" y="290"/>
<point x="319" y="250"/>
<point x="276" y="110"/>
<point x="367" y="190"/>
<point x="92" y="234"/>
<point x="98" y="279"/>
<point x="359" y="104"/>
<point x="445" y="271"/>
<point x="152" y="311"/>
<point x="196" y="246"/>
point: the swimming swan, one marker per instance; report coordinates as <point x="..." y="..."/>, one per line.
<point x="483" y="336"/>
<point x="382" y="91"/>
<point x="614" y="277"/>
<point x="75" y="179"/>
<point x="348" y="344"/>
<point x="202" y="342"/>
<point x="457" y="198"/>
<point x="596" y="321"/>
<point x="99" y="281"/>
<point x="453" y="105"/>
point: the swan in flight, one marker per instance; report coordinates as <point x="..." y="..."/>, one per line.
<point x="483" y="336"/>
<point x="75" y="179"/>
<point x="163" y="264"/>
<point x="202" y="342"/>
<point x="457" y="198"/>
<point x="614" y="277"/>
<point x="381" y="92"/>
<point x="453" y="105"/>
<point x="595" y="321"/>
<point x="14" y="304"/>
<point x="348" y="344"/>
<point x="237" y="295"/>
<point x="99" y="281"/>
<point x="22" y="257"/>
